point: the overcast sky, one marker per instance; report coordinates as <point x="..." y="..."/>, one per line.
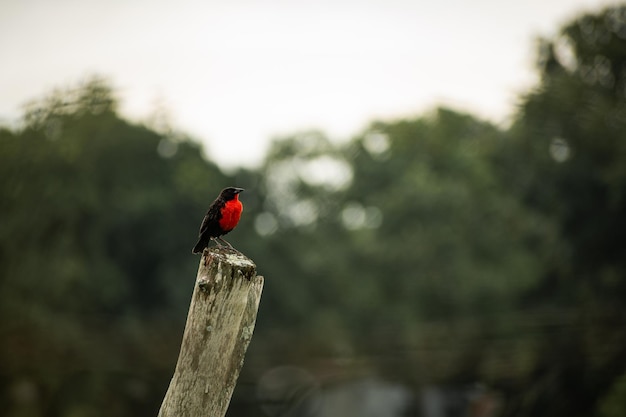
<point x="235" y="73"/>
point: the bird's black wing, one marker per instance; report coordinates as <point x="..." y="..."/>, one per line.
<point x="210" y="223"/>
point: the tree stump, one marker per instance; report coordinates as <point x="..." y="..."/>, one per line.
<point x="219" y="328"/>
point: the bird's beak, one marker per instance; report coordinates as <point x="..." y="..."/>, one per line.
<point x="238" y="190"/>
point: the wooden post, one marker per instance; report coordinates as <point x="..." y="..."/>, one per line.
<point x="219" y="328"/>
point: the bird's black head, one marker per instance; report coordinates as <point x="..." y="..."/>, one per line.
<point x="230" y="193"/>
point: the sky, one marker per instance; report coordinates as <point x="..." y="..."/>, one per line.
<point x="235" y="74"/>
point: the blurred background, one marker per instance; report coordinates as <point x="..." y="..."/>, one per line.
<point x="459" y="251"/>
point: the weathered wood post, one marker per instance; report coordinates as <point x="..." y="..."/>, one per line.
<point x="219" y="327"/>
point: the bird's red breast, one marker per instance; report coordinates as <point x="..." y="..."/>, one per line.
<point x="231" y="213"/>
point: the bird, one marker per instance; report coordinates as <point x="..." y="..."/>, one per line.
<point x="221" y="217"/>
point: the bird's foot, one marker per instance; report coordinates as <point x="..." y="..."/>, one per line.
<point x="224" y="241"/>
<point x="221" y="243"/>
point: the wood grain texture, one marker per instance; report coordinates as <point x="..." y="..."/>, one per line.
<point x="219" y="328"/>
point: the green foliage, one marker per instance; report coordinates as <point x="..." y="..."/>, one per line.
<point x="94" y="255"/>
<point x="614" y="404"/>
<point x="571" y="131"/>
<point x="454" y="236"/>
<point x="417" y="234"/>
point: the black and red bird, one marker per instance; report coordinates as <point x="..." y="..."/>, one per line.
<point x="222" y="217"/>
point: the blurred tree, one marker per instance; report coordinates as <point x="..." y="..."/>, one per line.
<point x="94" y="252"/>
<point x="380" y="245"/>
<point x="614" y="402"/>
<point x="571" y="130"/>
<point x="453" y="238"/>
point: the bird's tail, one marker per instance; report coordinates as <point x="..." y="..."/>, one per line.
<point x="199" y="246"/>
